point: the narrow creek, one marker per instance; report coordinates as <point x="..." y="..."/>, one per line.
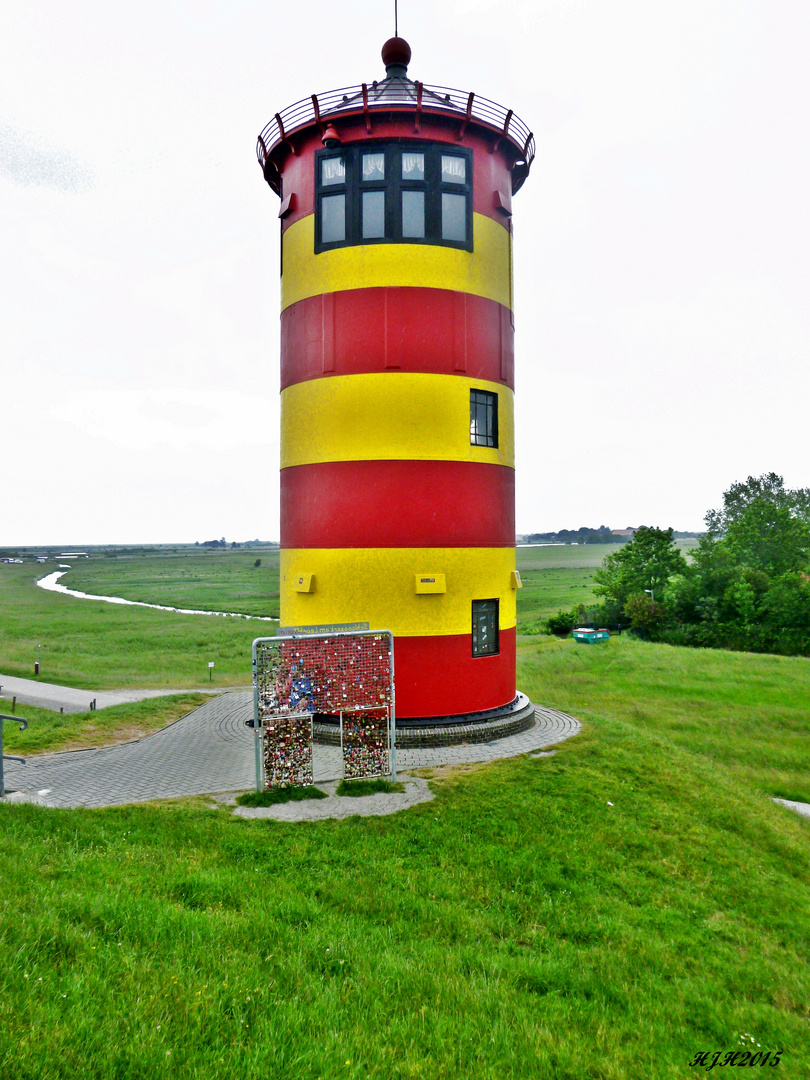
<point x="51" y="583"/>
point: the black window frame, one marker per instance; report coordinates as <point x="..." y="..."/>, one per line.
<point x="489" y="399"/>
<point x="393" y="185"/>
<point x="493" y="646"/>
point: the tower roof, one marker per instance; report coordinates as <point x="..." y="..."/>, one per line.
<point x="395" y="94"/>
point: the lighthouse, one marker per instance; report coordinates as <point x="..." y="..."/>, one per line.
<point x="397" y="382"/>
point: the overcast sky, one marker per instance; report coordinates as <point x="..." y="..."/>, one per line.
<point x="662" y="251"/>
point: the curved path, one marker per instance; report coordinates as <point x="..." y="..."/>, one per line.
<point x="210" y="750"/>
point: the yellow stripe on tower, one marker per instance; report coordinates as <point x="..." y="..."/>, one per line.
<point x="390" y="416"/>
<point x="378" y="586"/>
<point x="484" y="271"/>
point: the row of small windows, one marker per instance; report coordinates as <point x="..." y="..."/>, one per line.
<point x="393" y="193"/>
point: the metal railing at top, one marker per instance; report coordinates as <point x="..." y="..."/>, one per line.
<point x="416" y="97"/>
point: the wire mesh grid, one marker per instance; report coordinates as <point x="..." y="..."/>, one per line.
<point x="288" y="750"/>
<point x="347" y="675"/>
<point x="365" y="742"/>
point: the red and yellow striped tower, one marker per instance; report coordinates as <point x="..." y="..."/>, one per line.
<point x="397" y="379"/>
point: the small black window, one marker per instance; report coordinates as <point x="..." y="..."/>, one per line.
<point x="483" y="418"/>
<point x="393" y="192"/>
<point x="485" y="628"/>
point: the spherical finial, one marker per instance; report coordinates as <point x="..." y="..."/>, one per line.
<point x="396" y="52"/>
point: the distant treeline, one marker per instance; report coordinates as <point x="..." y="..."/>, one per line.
<point x="585" y="535"/>
<point x="588" y="535"/>
<point x="223" y="543"/>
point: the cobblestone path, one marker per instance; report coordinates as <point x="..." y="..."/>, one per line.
<point x="211" y="750"/>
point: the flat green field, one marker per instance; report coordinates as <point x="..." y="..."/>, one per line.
<point x="97" y="645"/>
<point x="554" y="577"/>
<point x="207" y="579"/>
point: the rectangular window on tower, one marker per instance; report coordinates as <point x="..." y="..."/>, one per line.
<point x="393" y="192"/>
<point x="483" y="418"/>
<point x="485" y="628"/>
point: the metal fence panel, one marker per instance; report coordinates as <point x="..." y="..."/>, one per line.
<point x="365" y="743"/>
<point x="335" y="673"/>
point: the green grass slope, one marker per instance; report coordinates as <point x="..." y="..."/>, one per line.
<point x="518" y="926"/>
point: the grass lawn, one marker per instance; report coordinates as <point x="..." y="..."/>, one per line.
<point x="49" y="731"/>
<point x="606" y="913"/>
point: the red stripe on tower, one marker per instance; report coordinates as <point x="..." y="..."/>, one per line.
<point x="427" y="330"/>
<point x="450" y="504"/>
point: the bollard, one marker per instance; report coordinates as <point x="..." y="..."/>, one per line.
<point x="36" y="667"/>
<point x="14" y="703"/>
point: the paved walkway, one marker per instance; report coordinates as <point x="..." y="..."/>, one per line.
<point x="211" y="750"/>
<point x="50" y="696"/>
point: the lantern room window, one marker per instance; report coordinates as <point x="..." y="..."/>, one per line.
<point x="395" y="192"/>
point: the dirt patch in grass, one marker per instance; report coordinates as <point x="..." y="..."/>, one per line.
<point x="279" y="795"/>
<point x="447" y="772"/>
<point x="358" y="788"/>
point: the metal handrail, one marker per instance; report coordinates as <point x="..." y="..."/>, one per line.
<point x="8" y="757"/>
<point x="394" y="94"/>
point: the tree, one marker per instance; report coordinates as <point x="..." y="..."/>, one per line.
<point x="769" y="536"/>
<point x="645" y="564"/>
<point x="748" y="586"/>
<point x="770" y="488"/>
<point x="643" y="612"/>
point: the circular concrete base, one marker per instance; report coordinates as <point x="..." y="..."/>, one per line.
<point x="450" y="730"/>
